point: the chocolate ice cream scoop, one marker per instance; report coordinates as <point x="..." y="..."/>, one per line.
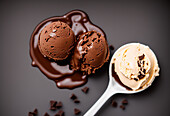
<point x="90" y="53"/>
<point x="56" y="41"/>
<point x="59" y="71"/>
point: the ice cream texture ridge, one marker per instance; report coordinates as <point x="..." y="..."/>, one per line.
<point x="136" y="65"/>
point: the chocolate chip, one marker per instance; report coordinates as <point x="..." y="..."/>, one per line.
<point x="122" y="107"/>
<point x="114" y="103"/>
<point x="59" y="104"/>
<point x="77" y="111"/>
<point x="84" y="42"/>
<point x="111" y="47"/>
<point x="73" y="96"/>
<point x="60" y="113"/>
<point x="89" y="45"/>
<point x="47" y="39"/>
<point x="87" y="35"/>
<point x="138" y="64"/>
<point x="94" y="39"/>
<point x="140" y="76"/>
<point x="53" y="105"/>
<point x="144" y="71"/>
<point x="91" y="33"/>
<point x="141" y="68"/>
<point x="34" y="113"/>
<point x="85" y="89"/>
<point x="143" y="62"/>
<point x="46" y="114"/>
<point x="98" y="54"/>
<point x="76" y="101"/>
<point x="135" y="79"/>
<point x="125" y="102"/>
<point x="141" y="57"/>
<point x="99" y="35"/>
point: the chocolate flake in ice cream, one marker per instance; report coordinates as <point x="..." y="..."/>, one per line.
<point x="52" y="47"/>
<point x="90" y="53"/>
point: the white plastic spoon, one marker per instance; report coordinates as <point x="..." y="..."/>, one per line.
<point x="113" y="88"/>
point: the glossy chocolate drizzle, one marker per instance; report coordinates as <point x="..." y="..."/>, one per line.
<point x="63" y="76"/>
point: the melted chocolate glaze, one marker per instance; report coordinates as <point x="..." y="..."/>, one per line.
<point x="63" y="76"/>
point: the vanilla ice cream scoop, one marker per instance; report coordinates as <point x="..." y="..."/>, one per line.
<point x="136" y="65"/>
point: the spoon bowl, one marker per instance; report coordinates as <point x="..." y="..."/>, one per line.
<point x="113" y="88"/>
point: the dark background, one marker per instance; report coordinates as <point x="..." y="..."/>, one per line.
<point x="23" y="87"/>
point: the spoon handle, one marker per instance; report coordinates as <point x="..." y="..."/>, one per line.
<point x="106" y="95"/>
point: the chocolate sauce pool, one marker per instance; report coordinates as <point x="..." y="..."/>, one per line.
<point x="60" y="72"/>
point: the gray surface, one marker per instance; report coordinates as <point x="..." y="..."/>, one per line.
<point x="23" y="87"/>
